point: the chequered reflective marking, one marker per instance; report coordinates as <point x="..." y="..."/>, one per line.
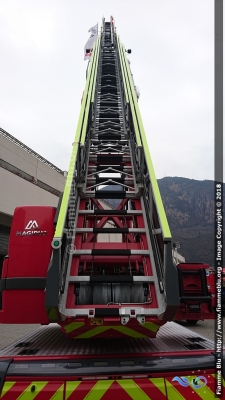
<point x="73" y="330"/>
<point x="37" y="390"/>
<point x="135" y="389"/>
<point x="72" y="326"/>
<point x="7" y="386"/>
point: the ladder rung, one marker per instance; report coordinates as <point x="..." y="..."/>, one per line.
<point x="113" y="194"/>
<point x="103" y="136"/>
<point x="110" y="169"/>
<point x="109" y="180"/>
<point x="110" y="230"/>
<point x="112" y="157"/>
<point x="111" y="212"/>
<point x="112" y="279"/>
<point x="110" y="252"/>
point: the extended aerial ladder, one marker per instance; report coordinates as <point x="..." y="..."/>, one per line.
<point x="91" y="286"/>
<point x="128" y="286"/>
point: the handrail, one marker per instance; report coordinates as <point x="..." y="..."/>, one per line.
<point x="140" y="131"/>
<point x="123" y="71"/>
<point x="129" y="88"/>
<point x="79" y="137"/>
<point x="91" y="88"/>
<point x="95" y="73"/>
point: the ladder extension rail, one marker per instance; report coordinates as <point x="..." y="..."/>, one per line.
<point x="78" y="140"/>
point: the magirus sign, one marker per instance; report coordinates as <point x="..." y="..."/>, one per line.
<point x="31" y="229"/>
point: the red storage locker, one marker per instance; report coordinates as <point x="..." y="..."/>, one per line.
<point x="25" y="268"/>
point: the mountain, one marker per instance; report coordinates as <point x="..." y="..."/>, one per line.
<point x="189" y="206"/>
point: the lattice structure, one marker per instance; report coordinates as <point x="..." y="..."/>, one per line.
<point x="127" y="287"/>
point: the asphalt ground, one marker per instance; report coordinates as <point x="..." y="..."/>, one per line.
<point x="11" y="333"/>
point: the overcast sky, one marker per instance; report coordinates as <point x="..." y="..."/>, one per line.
<point x="43" y="75"/>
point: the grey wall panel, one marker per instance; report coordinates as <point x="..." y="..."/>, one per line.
<point x="16" y="191"/>
<point x="21" y="159"/>
<point x="4" y="238"/>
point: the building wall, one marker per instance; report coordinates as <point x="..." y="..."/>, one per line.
<point x="22" y="163"/>
<point x="18" y="191"/>
<point x="26" y="178"/>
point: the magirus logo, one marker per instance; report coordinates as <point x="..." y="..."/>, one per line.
<point x="31" y="229"/>
<point x="32" y="224"/>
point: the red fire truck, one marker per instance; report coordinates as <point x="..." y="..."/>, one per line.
<point x="107" y="307"/>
